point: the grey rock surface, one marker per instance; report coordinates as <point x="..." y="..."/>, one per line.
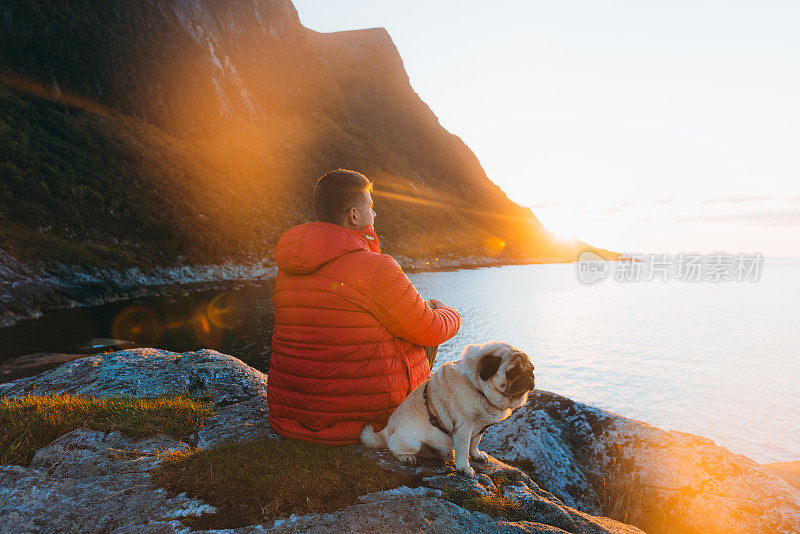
<point x="31" y="364"/>
<point x="88" y="481"/>
<point x="244" y="421"/>
<point x="86" y="453"/>
<point x="148" y="373"/>
<point x="680" y="480"/>
<point x="540" y="507"/>
<point x="555" y="464"/>
<point x="401" y="515"/>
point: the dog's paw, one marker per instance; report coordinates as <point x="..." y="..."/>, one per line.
<point x="468" y="471"/>
<point x="409" y="459"/>
<point x="479" y="456"/>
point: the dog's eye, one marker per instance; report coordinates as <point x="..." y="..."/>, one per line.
<point x="512" y="372"/>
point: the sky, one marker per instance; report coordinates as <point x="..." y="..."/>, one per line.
<point x="638" y="126"/>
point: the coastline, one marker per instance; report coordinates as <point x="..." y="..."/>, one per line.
<point x="27" y="291"/>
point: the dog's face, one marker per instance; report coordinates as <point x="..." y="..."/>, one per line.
<point x="502" y="372"/>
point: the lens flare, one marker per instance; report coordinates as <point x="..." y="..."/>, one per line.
<point x="206" y="332"/>
<point x="493" y="246"/>
<point x="225" y="311"/>
<point x="139" y="324"/>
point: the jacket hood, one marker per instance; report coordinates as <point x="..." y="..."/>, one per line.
<point x="305" y="248"/>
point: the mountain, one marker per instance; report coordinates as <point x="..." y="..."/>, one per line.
<point x="150" y="133"/>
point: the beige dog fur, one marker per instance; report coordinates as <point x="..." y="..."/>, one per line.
<point x="480" y="389"/>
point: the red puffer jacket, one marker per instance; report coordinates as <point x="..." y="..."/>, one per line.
<point x="348" y="337"/>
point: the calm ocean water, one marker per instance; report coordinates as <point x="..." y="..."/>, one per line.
<point x="717" y="359"/>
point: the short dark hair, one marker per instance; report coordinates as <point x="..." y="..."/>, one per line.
<point x="336" y="192"/>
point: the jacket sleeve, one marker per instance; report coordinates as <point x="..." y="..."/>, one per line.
<point x="397" y="304"/>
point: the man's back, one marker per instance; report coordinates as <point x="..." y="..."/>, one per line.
<point x="348" y="337"/>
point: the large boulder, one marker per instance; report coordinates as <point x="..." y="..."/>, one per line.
<point x="221" y="378"/>
<point x="673" y="481"/>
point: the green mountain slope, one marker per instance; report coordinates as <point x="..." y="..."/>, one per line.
<point x="147" y="133"/>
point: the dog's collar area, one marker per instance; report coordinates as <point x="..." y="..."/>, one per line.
<point x="435" y="420"/>
<point x="432" y="416"/>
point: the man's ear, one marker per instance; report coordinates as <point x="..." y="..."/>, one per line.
<point x="350" y="218"/>
<point x="488" y="365"/>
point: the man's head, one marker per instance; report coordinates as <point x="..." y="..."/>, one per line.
<point x="344" y="197"/>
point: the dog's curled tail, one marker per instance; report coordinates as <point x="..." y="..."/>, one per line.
<point x="372" y="439"/>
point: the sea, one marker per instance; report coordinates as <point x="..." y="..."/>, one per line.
<point x="716" y="358"/>
<point x="719" y="359"/>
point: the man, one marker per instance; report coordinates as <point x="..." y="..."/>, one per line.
<point x="350" y="328"/>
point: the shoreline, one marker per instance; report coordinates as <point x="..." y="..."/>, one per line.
<point x="28" y="291"/>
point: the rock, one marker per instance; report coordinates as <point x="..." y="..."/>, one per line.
<point x="89" y="453"/>
<point x="547" y="511"/>
<point x="541" y="507"/>
<point x="150" y="372"/>
<point x="88" y="481"/>
<point x="548" y="448"/>
<point x="399" y="493"/>
<point x="102" y="344"/>
<point x="789" y="471"/>
<point x="678" y="480"/>
<point x="399" y="515"/>
<point x="31" y="364"/>
<point x="245" y="421"/>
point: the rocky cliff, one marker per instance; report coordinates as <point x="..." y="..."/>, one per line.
<point x="577" y="464"/>
<point x="155" y="134"/>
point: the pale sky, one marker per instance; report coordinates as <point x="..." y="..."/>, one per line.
<point x="637" y="126"/>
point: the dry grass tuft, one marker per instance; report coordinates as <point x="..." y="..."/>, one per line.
<point x="495" y="505"/>
<point x="29" y="423"/>
<point x="624" y="497"/>
<point x="623" y="500"/>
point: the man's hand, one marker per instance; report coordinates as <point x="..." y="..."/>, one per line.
<point x="436" y="303"/>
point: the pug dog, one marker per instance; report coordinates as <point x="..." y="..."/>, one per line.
<point x="452" y="409"/>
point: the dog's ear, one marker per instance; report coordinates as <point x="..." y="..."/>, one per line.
<point x="488" y="365"/>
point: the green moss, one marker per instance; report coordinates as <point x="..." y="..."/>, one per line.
<point x="29" y="423"/>
<point x="253" y="481"/>
<point x="496" y="504"/>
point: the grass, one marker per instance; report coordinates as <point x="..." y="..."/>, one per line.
<point x="30" y="423"/>
<point x="253" y="481"/>
<point x="623" y="497"/>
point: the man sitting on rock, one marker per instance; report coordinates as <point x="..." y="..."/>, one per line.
<point x="350" y="328"/>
